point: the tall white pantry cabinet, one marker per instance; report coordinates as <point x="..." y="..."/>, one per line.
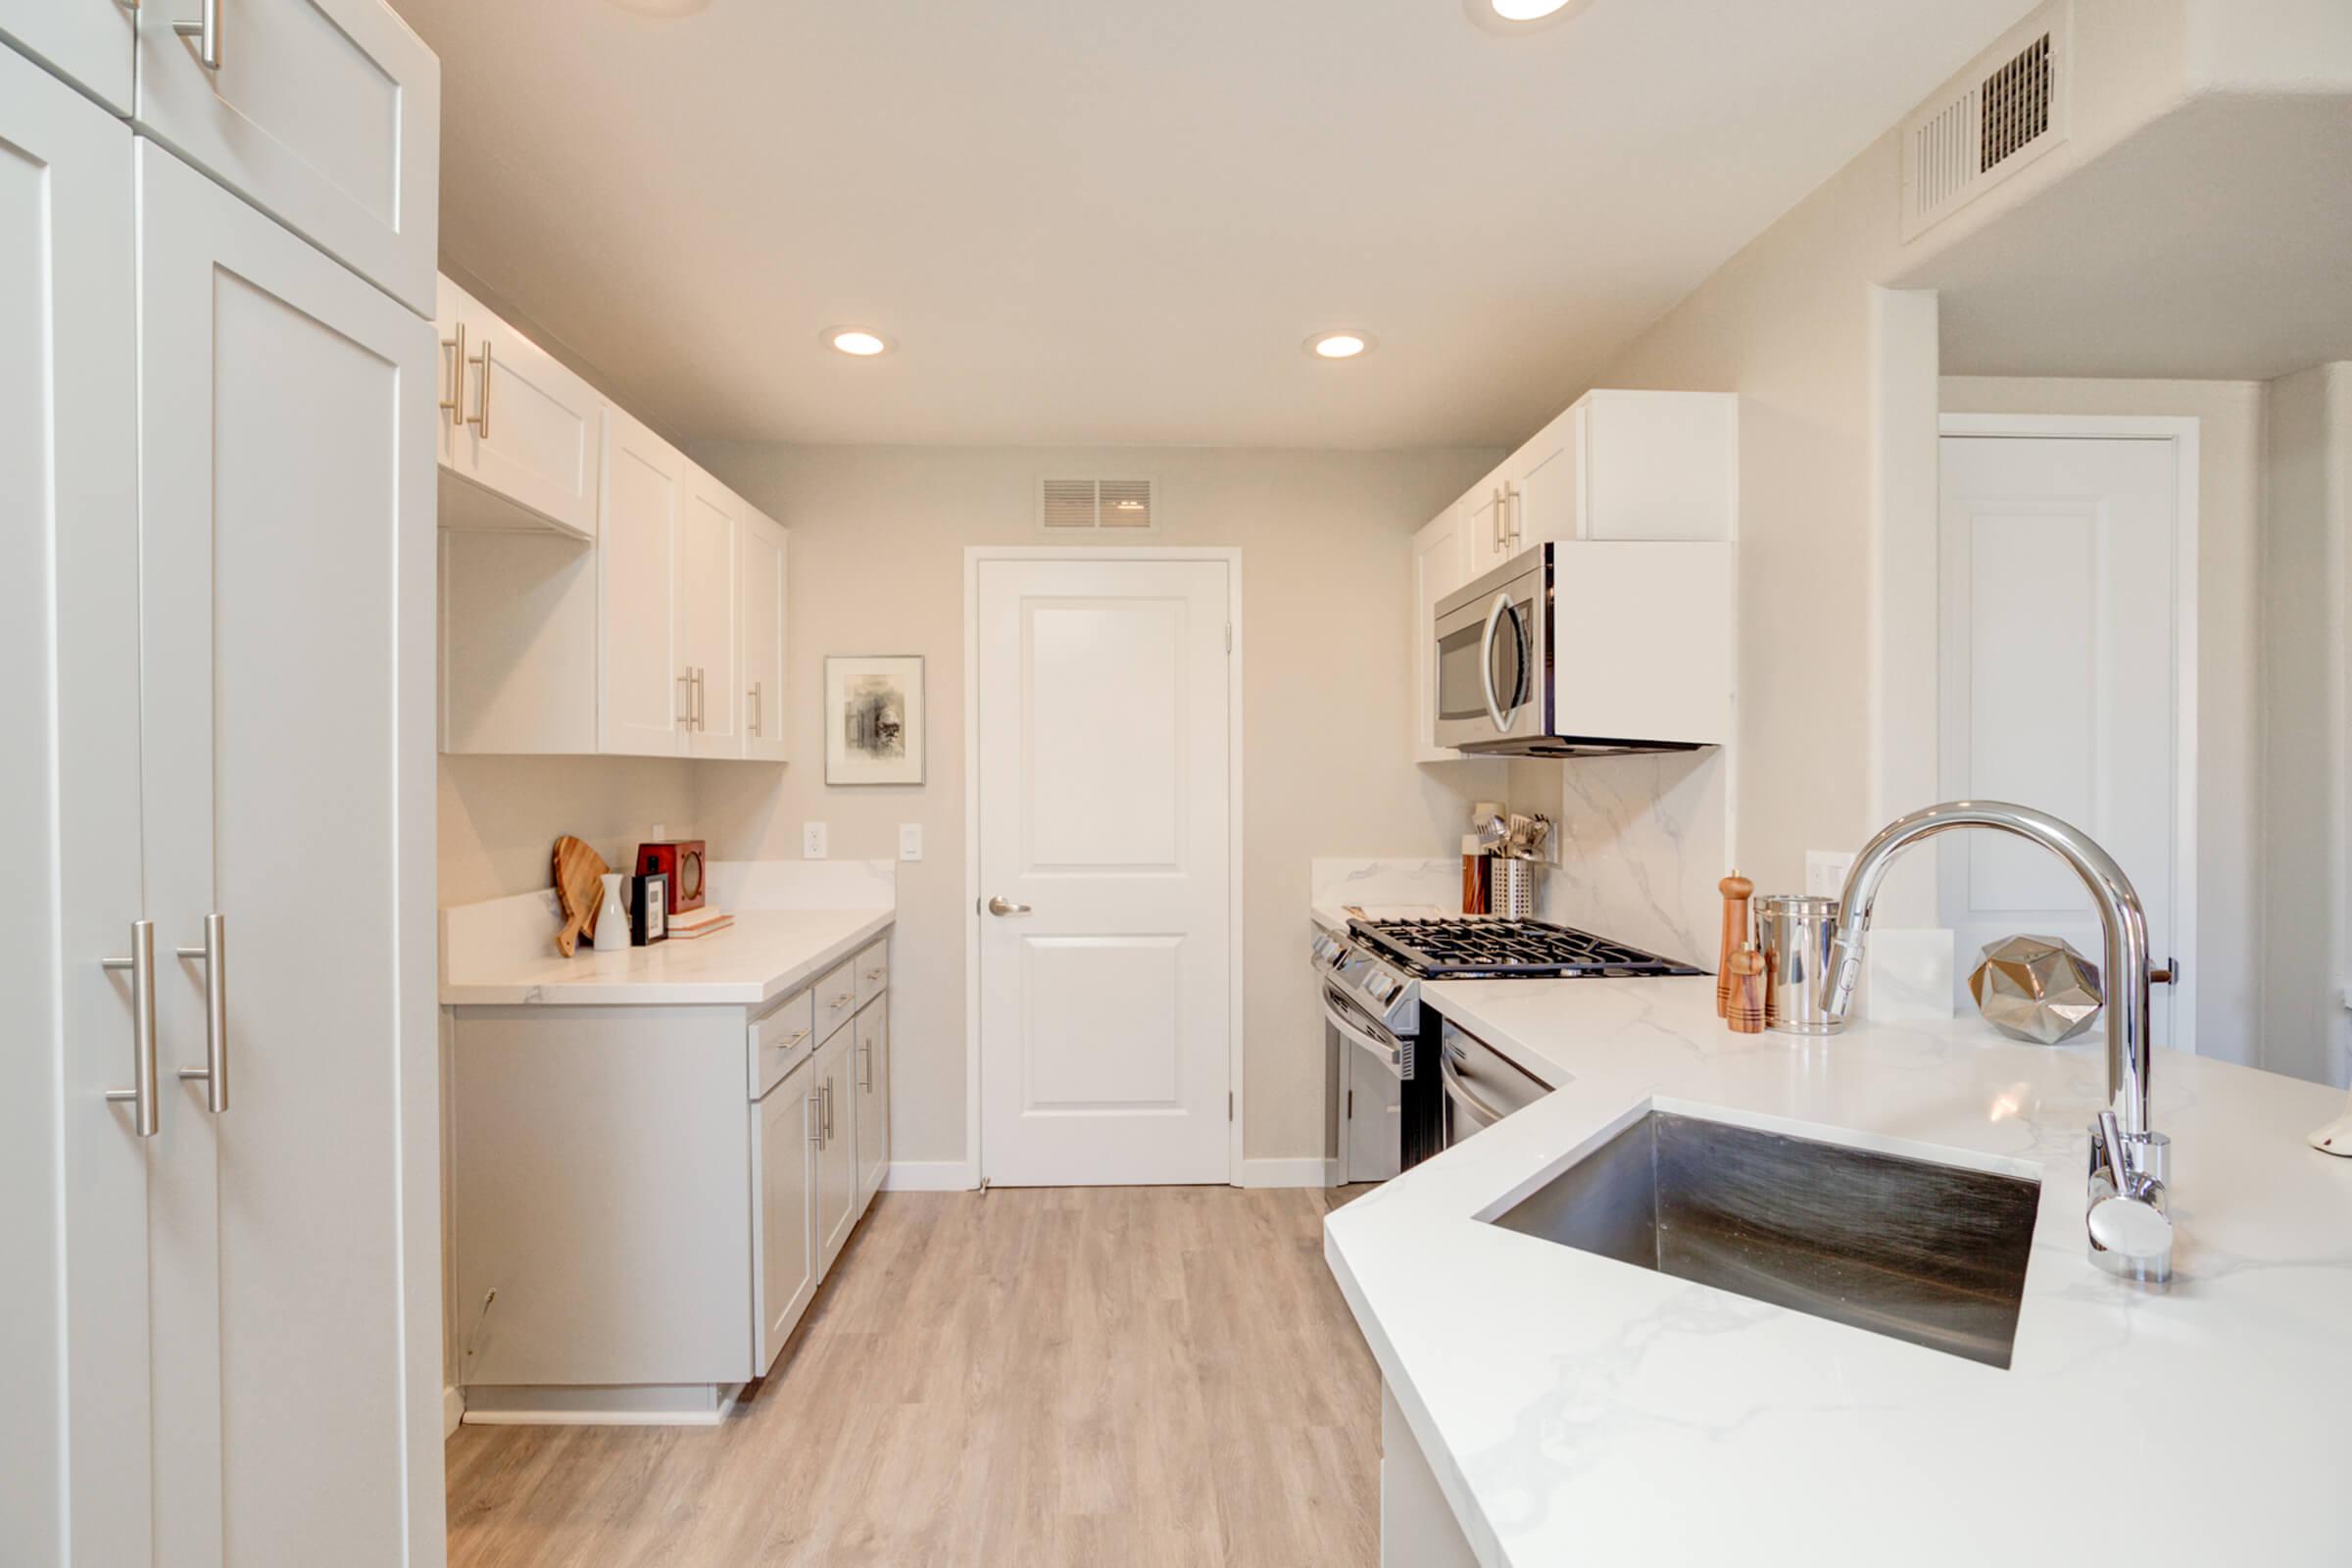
<point x="218" y="1197"/>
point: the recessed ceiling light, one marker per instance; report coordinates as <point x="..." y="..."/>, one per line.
<point x="1346" y="345"/>
<point x="859" y="342"/>
<point x="1521" y="16"/>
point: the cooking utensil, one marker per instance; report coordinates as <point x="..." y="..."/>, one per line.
<point x="579" y="873"/>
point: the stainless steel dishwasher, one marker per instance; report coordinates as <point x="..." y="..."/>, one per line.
<point x="1482" y="1084"/>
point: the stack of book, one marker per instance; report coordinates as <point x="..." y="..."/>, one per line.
<point x="687" y="924"/>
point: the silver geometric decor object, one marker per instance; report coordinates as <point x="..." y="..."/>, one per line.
<point x="2036" y="989"/>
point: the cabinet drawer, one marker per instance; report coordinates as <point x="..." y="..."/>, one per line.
<point x="781" y="1038"/>
<point x="836" y="998"/>
<point x="874" y="971"/>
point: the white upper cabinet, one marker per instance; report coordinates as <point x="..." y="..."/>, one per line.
<point x="518" y="432"/>
<point x="645" y="693"/>
<point x="1660" y="466"/>
<point x="88" y="42"/>
<point x="326" y="114"/>
<point x="1442" y="563"/>
<point x="763" y="577"/>
<point x="710" y="543"/>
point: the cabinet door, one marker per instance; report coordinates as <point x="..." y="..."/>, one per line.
<point x="837" y="1156"/>
<point x="76" y="1426"/>
<point x="786" y="1145"/>
<point x="1482" y="513"/>
<point x="324" y="112"/>
<point x="710" y="544"/>
<point x="1440" y="565"/>
<point x="520" y="427"/>
<point x="1545" y="498"/>
<point x="873" y="1098"/>
<point x="642" y="686"/>
<point x="764" y="619"/>
<point x="86" y="41"/>
<point x="1662" y="465"/>
<point x="286" y="475"/>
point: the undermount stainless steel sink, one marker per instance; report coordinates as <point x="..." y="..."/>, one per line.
<point x="1931" y="1254"/>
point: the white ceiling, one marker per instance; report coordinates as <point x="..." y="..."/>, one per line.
<point x="1117" y="222"/>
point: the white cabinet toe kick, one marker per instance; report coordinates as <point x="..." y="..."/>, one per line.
<point x="645" y="1199"/>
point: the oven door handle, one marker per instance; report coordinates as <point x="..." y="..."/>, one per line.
<point x="1457" y="1090"/>
<point x="1390" y="1051"/>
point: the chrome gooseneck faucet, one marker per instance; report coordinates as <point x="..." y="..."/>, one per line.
<point x="2131" y="1228"/>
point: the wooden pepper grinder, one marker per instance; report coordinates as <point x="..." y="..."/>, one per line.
<point x="1735" y="890"/>
<point x="1745" y="1013"/>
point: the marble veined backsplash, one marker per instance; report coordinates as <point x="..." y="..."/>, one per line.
<point x="1638" y="846"/>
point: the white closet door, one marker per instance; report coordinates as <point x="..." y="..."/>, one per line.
<point x="327" y="113"/>
<point x="286" y="464"/>
<point x="89" y="41"/>
<point x="643" y="690"/>
<point x="710" y="543"/>
<point x="72" y="1168"/>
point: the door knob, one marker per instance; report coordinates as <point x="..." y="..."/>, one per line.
<point x="1003" y="907"/>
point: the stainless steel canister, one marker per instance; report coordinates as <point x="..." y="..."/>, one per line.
<point x="1514" y="888"/>
<point x="1795" y="930"/>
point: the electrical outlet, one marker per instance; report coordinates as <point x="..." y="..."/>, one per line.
<point x="813" y="841"/>
<point x="1825" y="871"/>
<point x="911" y="841"/>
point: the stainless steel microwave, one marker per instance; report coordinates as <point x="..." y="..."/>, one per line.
<point x="1577" y="649"/>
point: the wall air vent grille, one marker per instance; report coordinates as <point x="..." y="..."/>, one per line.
<point x="1997" y="116"/>
<point x="1095" y="506"/>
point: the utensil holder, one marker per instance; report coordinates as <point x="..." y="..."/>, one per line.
<point x="1513" y="890"/>
<point x="1796" y="931"/>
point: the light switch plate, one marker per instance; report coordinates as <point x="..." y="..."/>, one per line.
<point x="813" y="841"/>
<point x="1825" y="871"/>
<point x="911" y="841"/>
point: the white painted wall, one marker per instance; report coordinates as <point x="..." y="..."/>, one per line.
<point x="2230" y="417"/>
<point x="2306" y="632"/>
<point x="878" y="567"/>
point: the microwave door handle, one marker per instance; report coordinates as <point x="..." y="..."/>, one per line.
<point x="1486" y="659"/>
<point x="1354" y="1033"/>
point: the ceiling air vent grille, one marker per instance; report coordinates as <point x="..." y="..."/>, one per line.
<point x="1095" y="506"/>
<point x="1997" y="116"/>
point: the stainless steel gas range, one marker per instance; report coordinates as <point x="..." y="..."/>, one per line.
<point x="1371" y="979"/>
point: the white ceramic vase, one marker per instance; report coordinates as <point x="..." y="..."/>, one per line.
<point x="613" y="920"/>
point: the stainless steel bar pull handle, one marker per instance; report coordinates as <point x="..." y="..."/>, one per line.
<point x="816" y="1119"/>
<point x="206" y="30"/>
<point x="213" y="1074"/>
<point x="454" y="404"/>
<point x="865" y="1067"/>
<point x="752" y="692"/>
<point x="482" y="402"/>
<point x="146" y="1107"/>
<point x="686" y="691"/>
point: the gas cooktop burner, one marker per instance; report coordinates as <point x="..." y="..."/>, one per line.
<point x="1470" y="948"/>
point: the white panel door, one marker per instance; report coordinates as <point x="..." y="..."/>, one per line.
<point x="286" y="474"/>
<point x="2057" y="671"/>
<point x="325" y="112"/>
<point x="519" y="425"/>
<point x="871" y="1066"/>
<point x="837" y="1145"/>
<point x="1440" y="565"/>
<point x="87" y="41"/>
<point x="1105" y="772"/>
<point x="643" y="690"/>
<point x="709" y="542"/>
<point x="783" y="1148"/>
<point x="73" y="1366"/>
<point x="764" y="598"/>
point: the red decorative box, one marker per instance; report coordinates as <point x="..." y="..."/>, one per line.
<point x="681" y="861"/>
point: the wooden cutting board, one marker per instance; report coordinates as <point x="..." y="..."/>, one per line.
<point x="580" y="888"/>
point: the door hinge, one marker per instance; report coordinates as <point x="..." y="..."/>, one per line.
<point x="1229" y="1105"/>
<point x="1229" y="636"/>
<point x="1351" y="1105"/>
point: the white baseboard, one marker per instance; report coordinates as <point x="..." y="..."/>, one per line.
<point x="453" y="1410"/>
<point x="696" y="1404"/>
<point x="1308" y="1172"/>
<point x="930" y="1176"/>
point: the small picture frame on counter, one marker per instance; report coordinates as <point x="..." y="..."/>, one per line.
<point x="649" y="909"/>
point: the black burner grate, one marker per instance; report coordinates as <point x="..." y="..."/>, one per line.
<point x="1466" y="948"/>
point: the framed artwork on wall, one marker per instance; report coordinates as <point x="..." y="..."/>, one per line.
<point x="874" y="718"/>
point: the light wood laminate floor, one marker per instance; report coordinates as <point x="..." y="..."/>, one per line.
<point x="1033" y="1377"/>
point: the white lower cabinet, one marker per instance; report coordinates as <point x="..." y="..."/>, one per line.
<point x="632" y="1237"/>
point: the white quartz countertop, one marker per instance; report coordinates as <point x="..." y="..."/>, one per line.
<point x="763" y="954"/>
<point x="1581" y="1412"/>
